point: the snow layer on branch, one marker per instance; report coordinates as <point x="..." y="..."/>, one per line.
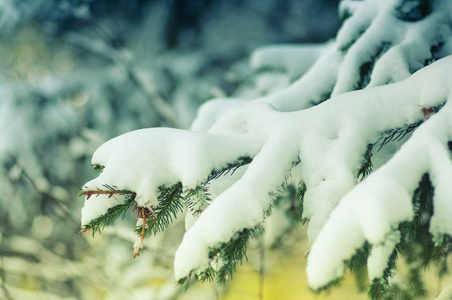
<point x="374" y="207"/>
<point x="330" y="140"/>
<point x="312" y="88"/>
<point x="146" y="159"/>
<point x="241" y="206"/>
<point x="390" y="49"/>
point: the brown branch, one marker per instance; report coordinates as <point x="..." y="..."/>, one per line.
<point x="109" y="193"/>
<point x="143" y="227"/>
<point x="85" y="229"/>
<point x="136" y="248"/>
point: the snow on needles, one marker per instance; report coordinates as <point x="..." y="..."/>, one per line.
<point x="377" y="205"/>
<point x="328" y="139"/>
<point x="331" y="139"/>
<point x="146" y="159"/>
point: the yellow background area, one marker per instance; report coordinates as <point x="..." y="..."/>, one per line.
<point x="285" y="280"/>
<point x="285" y="277"/>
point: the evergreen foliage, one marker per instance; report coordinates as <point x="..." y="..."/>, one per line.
<point x="170" y="201"/>
<point x="170" y="205"/>
<point x="395" y="134"/>
<point x="197" y="199"/>
<point x="224" y="259"/>
<point x="113" y="213"/>
<point x="379" y="287"/>
<point x="415" y="245"/>
<point x="229" y="168"/>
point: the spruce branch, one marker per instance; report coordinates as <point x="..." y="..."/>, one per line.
<point x="441" y="253"/>
<point x="152" y="219"/>
<point x="97" y="168"/>
<point x="399" y="133"/>
<point x="233" y="252"/>
<point x="110" y="193"/>
<point x="417" y="247"/>
<point x="358" y="266"/>
<point x="395" y="134"/>
<point x="169" y="206"/>
<point x="112" y="213"/>
<point x="379" y="286"/>
<point x="229" y="168"/>
<point x="366" y="163"/>
<point x="198" y="199"/>
<point x="224" y="259"/>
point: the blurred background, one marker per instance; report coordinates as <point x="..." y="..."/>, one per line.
<point x="75" y="73"/>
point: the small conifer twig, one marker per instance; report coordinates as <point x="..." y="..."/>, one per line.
<point x="102" y="192"/>
<point x="143" y="227"/>
<point x="85" y="229"/>
<point x="139" y="244"/>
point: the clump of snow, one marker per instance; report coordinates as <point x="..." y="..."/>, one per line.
<point x="137" y="246"/>
<point x="294" y="59"/>
<point x="146" y="159"/>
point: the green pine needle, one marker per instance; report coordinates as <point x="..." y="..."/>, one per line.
<point x="233" y="253"/>
<point x="113" y="213"/>
<point x="198" y="199"/>
<point x="97" y="168"/>
<point x="229" y="168"/>
<point x="366" y="163"/>
<point x="230" y="254"/>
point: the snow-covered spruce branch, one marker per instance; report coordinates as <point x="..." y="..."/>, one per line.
<point x="110" y="203"/>
<point x="332" y="138"/>
<point x="363" y="215"/>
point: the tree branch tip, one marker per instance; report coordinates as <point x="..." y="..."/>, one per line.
<point x="85" y="229"/>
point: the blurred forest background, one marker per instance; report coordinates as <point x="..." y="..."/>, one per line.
<point x="75" y="73"/>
